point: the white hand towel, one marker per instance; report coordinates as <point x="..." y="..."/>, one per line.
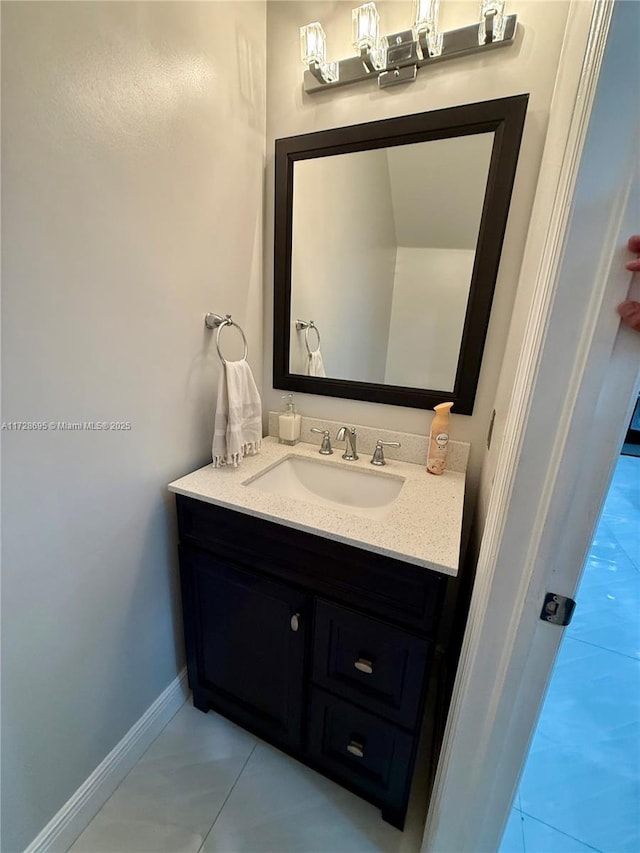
<point x="238" y="422"/>
<point x="316" y="365"/>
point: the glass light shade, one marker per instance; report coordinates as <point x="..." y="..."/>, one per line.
<point x="379" y="54"/>
<point x="491" y="7"/>
<point x="495" y="8"/>
<point x="330" y="72"/>
<point x="434" y="43"/>
<point x="425" y="16"/>
<point x="313" y="44"/>
<point x="366" y="23"/>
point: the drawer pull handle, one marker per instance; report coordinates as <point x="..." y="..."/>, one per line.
<point x="356" y="749"/>
<point x="364" y="665"/>
<point x="295" y="621"/>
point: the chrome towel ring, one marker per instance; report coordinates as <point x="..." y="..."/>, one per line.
<point x="302" y="324"/>
<point x="213" y="321"/>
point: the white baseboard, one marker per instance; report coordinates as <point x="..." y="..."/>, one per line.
<point x="63" y="829"/>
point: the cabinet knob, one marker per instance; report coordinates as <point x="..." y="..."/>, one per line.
<point x="295" y="621"/>
<point x="364" y="665"/>
<point x="355" y="748"/>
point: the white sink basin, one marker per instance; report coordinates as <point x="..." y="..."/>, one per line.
<point x="332" y="484"/>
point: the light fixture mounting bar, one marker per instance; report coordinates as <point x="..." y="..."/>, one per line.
<point x="460" y="42"/>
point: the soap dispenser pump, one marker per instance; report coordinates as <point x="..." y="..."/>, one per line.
<point x="289" y="422"/>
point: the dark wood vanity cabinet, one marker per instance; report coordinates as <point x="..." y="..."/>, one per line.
<point x="320" y="648"/>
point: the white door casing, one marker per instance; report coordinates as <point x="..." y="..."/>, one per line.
<point x="576" y="376"/>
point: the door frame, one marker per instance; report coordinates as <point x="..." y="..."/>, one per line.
<point x="576" y="367"/>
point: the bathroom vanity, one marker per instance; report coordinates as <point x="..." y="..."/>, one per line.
<point x="318" y="629"/>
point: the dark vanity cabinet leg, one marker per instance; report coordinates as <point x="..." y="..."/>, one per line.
<point x="246" y="638"/>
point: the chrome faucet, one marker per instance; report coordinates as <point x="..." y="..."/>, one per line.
<point x="348" y="435"/>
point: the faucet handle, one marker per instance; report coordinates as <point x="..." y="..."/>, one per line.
<point x="325" y="447"/>
<point x="378" y="453"/>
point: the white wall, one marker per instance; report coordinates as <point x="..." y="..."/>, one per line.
<point x="438" y="190"/>
<point x="343" y="261"/>
<point x="527" y="66"/>
<point x="132" y="165"/>
<point x="430" y="295"/>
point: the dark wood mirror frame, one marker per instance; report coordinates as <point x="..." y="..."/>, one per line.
<point x="505" y="118"/>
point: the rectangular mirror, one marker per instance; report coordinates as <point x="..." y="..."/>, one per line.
<point x="387" y="244"/>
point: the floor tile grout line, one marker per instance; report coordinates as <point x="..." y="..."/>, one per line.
<point x="215" y="820"/>
<point x="619" y="554"/>
<point x="603" y="648"/>
<point x="524" y="843"/>
<point x="632" y="559"/>
<point x="562" y="832"/>
<point x="613" y="535"/>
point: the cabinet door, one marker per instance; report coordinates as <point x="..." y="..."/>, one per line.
<point x="249" y="636"/>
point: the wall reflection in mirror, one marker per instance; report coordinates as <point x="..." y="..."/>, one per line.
<point x="383" y="248"/>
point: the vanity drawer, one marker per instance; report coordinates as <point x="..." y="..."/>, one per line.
<point x="369" y="662"/>
<point x="373" y="757"/>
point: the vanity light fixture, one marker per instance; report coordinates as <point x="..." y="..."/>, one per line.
<point x="425" y="25"/>
<point x="313" y="45"/>
<point x="395" y="58"/>
<point x="366" y="24"/>
<point x="492" y="22"/>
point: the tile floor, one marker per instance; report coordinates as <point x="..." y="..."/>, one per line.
<point x="207" y="785"/>
<point x="580" y="790"/>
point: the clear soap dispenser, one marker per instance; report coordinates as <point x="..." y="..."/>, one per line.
<point x="289" y="422"/>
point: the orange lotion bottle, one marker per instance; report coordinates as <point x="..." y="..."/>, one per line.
<point x="439" y="439"/>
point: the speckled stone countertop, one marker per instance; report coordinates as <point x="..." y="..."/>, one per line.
<point x="423" y="526"/>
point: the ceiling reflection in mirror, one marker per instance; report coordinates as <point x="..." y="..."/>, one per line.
<point x="382" y="255"/>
